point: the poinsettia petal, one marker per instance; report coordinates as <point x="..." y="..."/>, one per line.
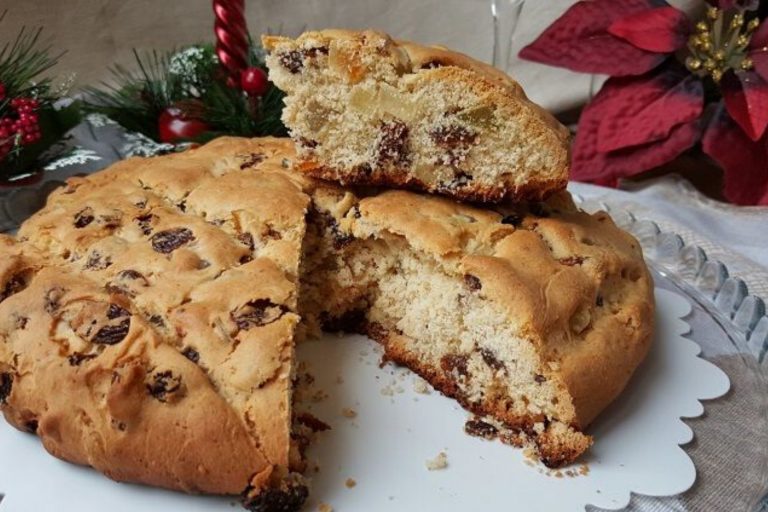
<point x="760" y="36"/>
<point x="579" y="40"/>
<point x="644" y="109"/>
<point x="760" y="61"/>
<point x="759" y="50"/>
<point x="746" y="98"/>
<point x="661" y="30"/>
<point x="742" y="159"/>
<point x="590" y="164"/>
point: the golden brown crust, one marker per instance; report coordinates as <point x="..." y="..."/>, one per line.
<point x="151" y="336"/>
<point x="553" y="448"/>
<point x="534" y="190"/>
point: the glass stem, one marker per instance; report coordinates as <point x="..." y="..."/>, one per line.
<point x="505" y="14"/>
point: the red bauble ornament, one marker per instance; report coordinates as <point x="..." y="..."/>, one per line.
<point x="176" y="125"/>
<point x="254" y="81"/>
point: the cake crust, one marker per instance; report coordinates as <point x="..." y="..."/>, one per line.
<point x="150" y="330"/>
<point x="472" y="153"/>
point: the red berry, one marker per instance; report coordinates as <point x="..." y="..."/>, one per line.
<point x="254" y="81"/>
<point x="176" y="126"/>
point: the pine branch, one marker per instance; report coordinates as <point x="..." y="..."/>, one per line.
<point x="22" y="62"/>
<point x="135" y="100"/>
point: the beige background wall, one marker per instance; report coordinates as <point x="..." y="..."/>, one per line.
<point x="98" y="33"/>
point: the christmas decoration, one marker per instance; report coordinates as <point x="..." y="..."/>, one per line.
<point x="178" y="123"/>
<point x="676" y="84"/>
<point x="33" y="116"/>
<point x="231" y="37"/>
<point x="254" y="81"/>
<point x="199" y="92"/>
<point x="185" y="96"/>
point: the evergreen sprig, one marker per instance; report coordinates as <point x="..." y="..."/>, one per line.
<point x="22" y="63"/>
<point x="135" y="99"/>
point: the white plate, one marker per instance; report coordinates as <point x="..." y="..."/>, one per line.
<point x="385" y="447"/>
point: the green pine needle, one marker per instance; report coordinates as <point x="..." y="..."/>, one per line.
<point x="22" y="62"/>
<point x="136" y="99"/>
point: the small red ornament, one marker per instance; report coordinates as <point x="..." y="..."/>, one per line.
<point x="254" y="81"/>
<point x="176" y="125"/>
<point x="231" y="37"/>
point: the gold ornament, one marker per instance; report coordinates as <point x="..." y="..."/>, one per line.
<point x="693" y="63"/>
<point x="713" y="13"/>
<point x="747" y="63"/>
<point x="717" y="74"/>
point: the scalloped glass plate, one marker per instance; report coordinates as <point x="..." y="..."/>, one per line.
<point x="730" y="450"/>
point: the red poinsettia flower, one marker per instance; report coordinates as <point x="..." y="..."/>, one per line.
<point x="652" y="108"/>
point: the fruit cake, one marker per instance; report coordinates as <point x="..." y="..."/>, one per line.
<point x="147" y="317"/>
<point x="148" y="313"/>
<point x="365" y="109"/>
<point x="534" y="317"/>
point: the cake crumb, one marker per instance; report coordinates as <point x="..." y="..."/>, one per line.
<point x="420" y="386"/>
<point x="530" y="454"/>
<point x="387" y="391"/>
<point x="439" y="462"/>
<point x="348" y="412"/>
<point x="350" y="483"/>
<point x="584" y="470"/>
<point x="324" y="507"/>
<point x="318" y="396"/>
<point x="558" y="474"/>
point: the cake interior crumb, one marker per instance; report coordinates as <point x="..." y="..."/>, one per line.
<point x="350" y="483"/>
<point x="348" y="412"/>
<point x="324" y="507"/>
<point x="439" y="462"/>
<point x="420" y="386"/>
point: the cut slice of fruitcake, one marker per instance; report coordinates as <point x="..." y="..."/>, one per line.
<point x="535" y="317"/>
<point x="147" y="316"/>
<point x="364" y="109"/>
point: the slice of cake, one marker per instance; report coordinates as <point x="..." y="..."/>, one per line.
<point x="534" y="317"/>
<point x="364" y="109"/>
<point x="147" y="318"/>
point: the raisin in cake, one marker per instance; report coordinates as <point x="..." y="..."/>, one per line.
<point x="366" y="109"/>
<point x="147" y="318"/>
<point x="534" y="317"/>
